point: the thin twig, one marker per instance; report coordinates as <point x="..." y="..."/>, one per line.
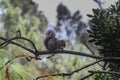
<point x="14" y="38"/>
<point x="50" y="56"/>
<point x="106" y="72"/>
<point x="88" y="47"/>
<point x="7" y="62"/>
<point x="91" y="51"/>
<point x="19" y="45"/>
<point x="86" y="76"/>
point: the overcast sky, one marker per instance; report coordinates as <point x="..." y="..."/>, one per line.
<point x="85" y="7"/>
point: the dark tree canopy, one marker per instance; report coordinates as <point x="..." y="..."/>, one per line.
<point x="105" y="33"/>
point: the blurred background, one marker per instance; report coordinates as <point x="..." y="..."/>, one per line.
<point x="33" y="17"/>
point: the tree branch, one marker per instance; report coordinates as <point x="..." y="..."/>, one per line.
<point x="19" y="45"/>
<point x="71" y="73"/>
<point x="86" y="76"/>
<point x="106" y="72"/>
<point x="14" y="38"/>
<point x="88" y="47"/>
<point x="69" y="52"/>
<point x="37" y="52"/>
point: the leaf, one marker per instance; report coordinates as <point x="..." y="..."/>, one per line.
<point x="98" y="43"/>
<point x="89" y="31"/>
<point x="2" y="64"/>
<point x="93" y="36"/>
<point x="92" y="40"/>
<point x="96" y="11"/>
<point x="89" y="15"/>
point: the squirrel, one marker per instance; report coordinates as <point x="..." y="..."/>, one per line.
<point x="51" y="43"/>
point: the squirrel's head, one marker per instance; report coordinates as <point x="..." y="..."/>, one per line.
<point x="50" y="33"/>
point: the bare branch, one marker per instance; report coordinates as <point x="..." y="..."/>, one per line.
<point x="88" y="47"/>
<point x="86" y="76"/>
<point x="71" y="73"/>
<point x="14" y="38"/>
<point x="79" y="54"/>
<point x="69" y="52"/>
<point x="106" y="72"/>
<point x="19" y="45"/>
<point x="44" y="52"/>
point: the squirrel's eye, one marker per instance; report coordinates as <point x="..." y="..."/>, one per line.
<point x="48" y="32"/>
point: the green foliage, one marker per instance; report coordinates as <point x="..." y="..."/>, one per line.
<point x="2" y="64"/>
<point x="31" y="23"/>
<point x="105" y="33"/>
<point x="31" y="7"/>
<point x="20" y="18"/>
<point x="105" y="30"/>
<point x="18" y="72"/>
<point x="103" y="77"/>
